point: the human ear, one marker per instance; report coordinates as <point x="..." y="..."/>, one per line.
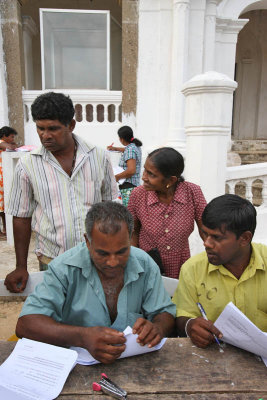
<point x="245" y="238"/>
<point x="72" y="125"/>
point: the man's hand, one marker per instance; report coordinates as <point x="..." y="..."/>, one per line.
<point x="105" y="344"/>
<point x="16" y="281"/>
<point x="201" y="332"/>
<point x="148" y="332"/>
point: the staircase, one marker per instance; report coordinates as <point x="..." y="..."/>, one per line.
<point x="251" y="151"/>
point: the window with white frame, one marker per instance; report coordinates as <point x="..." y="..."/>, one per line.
<point x="75" y="49"/>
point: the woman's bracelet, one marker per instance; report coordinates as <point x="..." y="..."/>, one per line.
<point x="185" y="328"/>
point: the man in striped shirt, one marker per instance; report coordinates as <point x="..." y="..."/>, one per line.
<point x="54" y="186"/>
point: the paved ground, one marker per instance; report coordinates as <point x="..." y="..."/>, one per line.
<point x="9" y="311"/>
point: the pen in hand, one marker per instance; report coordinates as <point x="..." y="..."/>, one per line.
<point x="204" y="315"/>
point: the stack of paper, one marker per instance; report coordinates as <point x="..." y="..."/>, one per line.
<point x="132" y="349"/>
<point x="239" y="331"/>
<point x="35" y="370"/>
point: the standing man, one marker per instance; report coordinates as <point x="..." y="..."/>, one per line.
<point x="91" y="293"/>
<point x="54" y="186"/>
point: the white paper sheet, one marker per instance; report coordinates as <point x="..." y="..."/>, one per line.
<point x="132" y="349"/>
<point x="118" y="170"/>
<point x="35" y="370"/>
<point x="239" y="331"/>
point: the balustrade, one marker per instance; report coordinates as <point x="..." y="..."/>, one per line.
<point x="249" y="181"/>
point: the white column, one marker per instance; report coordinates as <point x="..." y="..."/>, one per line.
<point x="176" y="136"/>
<point x="208" y="114"/>
<point x="209" y="35"/>
<point x="226" y="38"/>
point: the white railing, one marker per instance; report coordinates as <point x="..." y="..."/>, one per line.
<point x="97" y="114"/>
<point x="248" y="175"/>
<point x="91" y="106"/>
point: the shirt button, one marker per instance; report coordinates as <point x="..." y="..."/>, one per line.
<point x="166" y="230"/>
<point x="168" y="247"/>
<point x="166" y="215"/>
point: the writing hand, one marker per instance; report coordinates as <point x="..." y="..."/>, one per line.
<point x="17" y="277"/>
<point x="105" y="344"/>
<point x="201" y="332"/>
<point x="148" y="332"/>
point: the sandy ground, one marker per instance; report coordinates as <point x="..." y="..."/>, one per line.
<point x="10" y="310"/>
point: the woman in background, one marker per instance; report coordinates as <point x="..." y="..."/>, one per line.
<point x="130" y="162"/>
<point x="164" y="210"/>
<point x="7" y="141"/>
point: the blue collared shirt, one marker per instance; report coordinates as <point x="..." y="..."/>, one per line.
<point x="72" y="293"/>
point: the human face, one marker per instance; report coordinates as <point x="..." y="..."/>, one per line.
<point x="53" y="135"/>
<point x="153" y="178"/>
<point x="9" y="139"/>
<point x="222" y="246"/>
<point x="109" y="253"/>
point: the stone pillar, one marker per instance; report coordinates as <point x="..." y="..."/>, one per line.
<point x="208" y="115"/>
<point x="176" y="136"/>
<point x="129" y="60"/>
<point x="13" y="61"/>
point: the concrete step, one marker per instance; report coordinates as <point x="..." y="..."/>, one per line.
<point x="251" y="151"/>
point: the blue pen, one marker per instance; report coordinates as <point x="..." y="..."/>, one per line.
<point x="204" y="315"/>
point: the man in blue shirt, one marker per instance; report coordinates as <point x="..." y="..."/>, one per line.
<point x="92" y="292"/>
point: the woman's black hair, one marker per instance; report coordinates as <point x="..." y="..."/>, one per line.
<point x="168" y="161"/>
<point x="231" y="213"/>
<point x="126" y="133"/>
<point x="7" y="131"/>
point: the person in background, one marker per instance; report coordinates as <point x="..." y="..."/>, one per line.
<point x="91" y="293"/>
<point x="164" y="210"/>
<point x="232" y="269"/>
<point x="54" y="186"/>
<point x="130" y="161"/>
<point x="7" y="141"/>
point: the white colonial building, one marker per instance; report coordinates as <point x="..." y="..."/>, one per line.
<point x="191" y="74"/>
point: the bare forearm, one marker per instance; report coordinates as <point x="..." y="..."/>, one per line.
<point x="22" y="237"/>
<point x="165" y="323"/>
<point x="45" y="329"/>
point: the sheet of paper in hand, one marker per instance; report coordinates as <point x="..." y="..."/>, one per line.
<point x="239" y="331"/>
<point x="132" y="349"/>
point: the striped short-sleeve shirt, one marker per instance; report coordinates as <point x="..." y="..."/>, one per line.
<point x="57" y="202"/>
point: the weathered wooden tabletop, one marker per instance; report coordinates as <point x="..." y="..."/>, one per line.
<point x="178" y="371"/>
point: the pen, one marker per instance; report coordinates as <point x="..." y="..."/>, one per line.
<point x="204" y="315"/>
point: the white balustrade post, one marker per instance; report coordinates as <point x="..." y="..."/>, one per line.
<point x="208" y="113"/>
<point x="249" y="195"/>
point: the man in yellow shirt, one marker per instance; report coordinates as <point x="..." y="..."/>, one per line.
<point x="231" y="269"/>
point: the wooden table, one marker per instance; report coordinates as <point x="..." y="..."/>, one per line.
<point x="178" y="371"/>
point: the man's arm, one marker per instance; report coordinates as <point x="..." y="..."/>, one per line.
<point x="151" y="333"/>
<point x="198" y="329"/>
<point x="105" y="344"/>
<point x="22" y="237"/>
